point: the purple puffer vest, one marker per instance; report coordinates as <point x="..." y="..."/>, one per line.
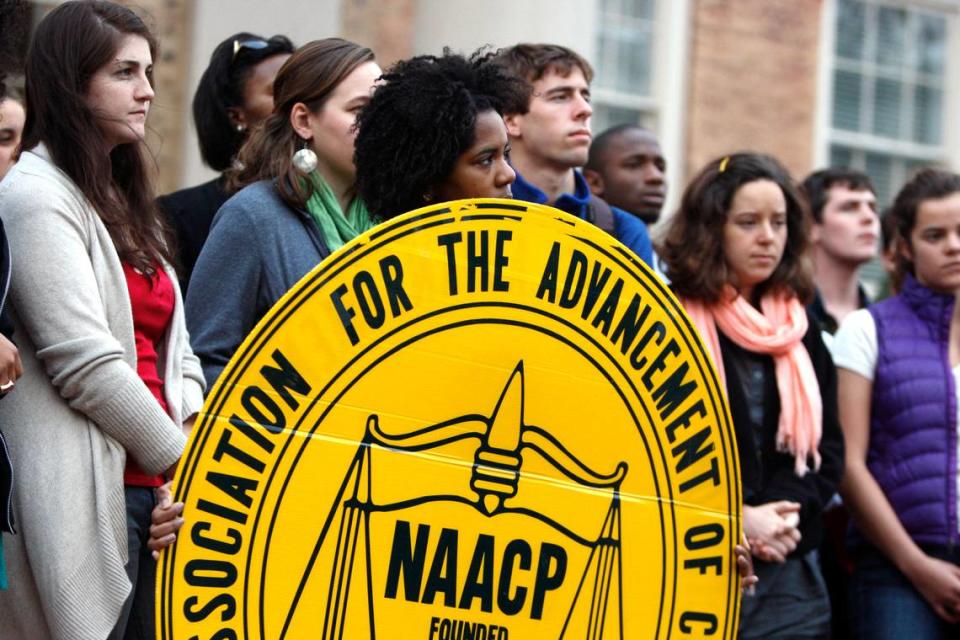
<point x="913" y="425"/>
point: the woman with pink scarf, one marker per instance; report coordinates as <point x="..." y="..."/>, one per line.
<point x="735" y="254"/>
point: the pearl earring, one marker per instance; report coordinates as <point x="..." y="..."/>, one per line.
<point x="305" y="160"/>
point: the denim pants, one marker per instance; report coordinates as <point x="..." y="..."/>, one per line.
<point x="790" y="601"/>
<point x="885" y="605"/>
<point x="137" y="616"/>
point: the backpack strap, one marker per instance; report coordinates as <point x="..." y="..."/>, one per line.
<point x="600" y="214"/>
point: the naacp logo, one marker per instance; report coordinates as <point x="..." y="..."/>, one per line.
<point x="480" y="421"/>
<point x="494" y="480"/>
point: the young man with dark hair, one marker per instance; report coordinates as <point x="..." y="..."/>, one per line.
<point x="843" y="237"/>
<point x="626" y="168"/>
<point x="550" y="138"/>
<point x="845" y="232"/>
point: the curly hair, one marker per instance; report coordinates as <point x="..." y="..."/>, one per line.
<point x="420" y="120"/>
<point x="692" y="247"/>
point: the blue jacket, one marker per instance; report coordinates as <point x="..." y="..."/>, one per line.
<point x="627" y="228"/>
<point x="913" y="417"/>
<point x="258" y="248"/>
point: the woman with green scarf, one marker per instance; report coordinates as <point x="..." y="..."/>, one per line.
<point x="295" y="201"/>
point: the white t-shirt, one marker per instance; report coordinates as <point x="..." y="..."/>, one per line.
<point x="855" y="345"/>
<point x="855" y="348"/>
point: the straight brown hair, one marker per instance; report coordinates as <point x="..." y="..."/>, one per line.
<point x="927" y="184"/>
<point x="71" y="43"/>
<point x="530" y="62"/>
<point x="309" y="76"/>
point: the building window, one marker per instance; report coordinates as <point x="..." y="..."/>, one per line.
<point x="889" y="90"/>
<point x="624" y="85"/>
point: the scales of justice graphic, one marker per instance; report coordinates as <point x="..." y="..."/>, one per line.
<point x="550" y="458"/>
<point x="504" y="440"/>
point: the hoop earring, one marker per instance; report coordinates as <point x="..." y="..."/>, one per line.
<point x="305" y="160"/>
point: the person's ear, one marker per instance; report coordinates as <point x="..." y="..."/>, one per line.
<point x="238" y="119"/>
<point x="890" y="256"/>
<point x="594" y="181"/>
<point x="300" y="120"/>
<point x="904" y="249"/>
<point x="816" y="232"/>
<point x="513" y="122"/>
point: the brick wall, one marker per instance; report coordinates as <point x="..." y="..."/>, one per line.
<point x="753" y="80"/>
<point x="386" y="26"/>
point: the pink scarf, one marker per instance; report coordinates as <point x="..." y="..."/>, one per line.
<point x="776" y="330"/>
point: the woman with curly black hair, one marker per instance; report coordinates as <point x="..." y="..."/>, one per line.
<point x="433" y="132"/>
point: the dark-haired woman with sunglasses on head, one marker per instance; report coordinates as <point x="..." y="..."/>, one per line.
<point x="234" y="95"/>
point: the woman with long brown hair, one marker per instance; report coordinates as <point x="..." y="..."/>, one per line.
<point x="98" y="420"/>
<point x="295" y="203"/>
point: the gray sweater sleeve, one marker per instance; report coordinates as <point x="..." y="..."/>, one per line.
<point x="189" y="373"/>
<point x="222" y="300"/>
<point x="194" y="384"/>
<point x="58" y="300"/>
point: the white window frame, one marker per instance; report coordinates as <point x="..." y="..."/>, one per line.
<point x="665" y="110"/>
<point x="614" y="98"/>
<point x="948" y="152"/>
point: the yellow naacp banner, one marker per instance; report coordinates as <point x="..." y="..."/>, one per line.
<point x="482" y="420"/>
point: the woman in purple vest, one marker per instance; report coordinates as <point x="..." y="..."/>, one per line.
<point x="735" y="253"/>
<point x="898" y="364"/>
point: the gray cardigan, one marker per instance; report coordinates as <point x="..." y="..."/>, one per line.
<point x="78" y="409"/>
<point x="258" y="248"/>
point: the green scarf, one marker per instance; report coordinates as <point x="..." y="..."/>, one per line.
<point x="337" y="229"/>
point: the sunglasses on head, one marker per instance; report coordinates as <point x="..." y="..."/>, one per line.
<point x="254" y="44"/>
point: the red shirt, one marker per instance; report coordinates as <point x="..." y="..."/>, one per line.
<point x="152" y="302"/>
